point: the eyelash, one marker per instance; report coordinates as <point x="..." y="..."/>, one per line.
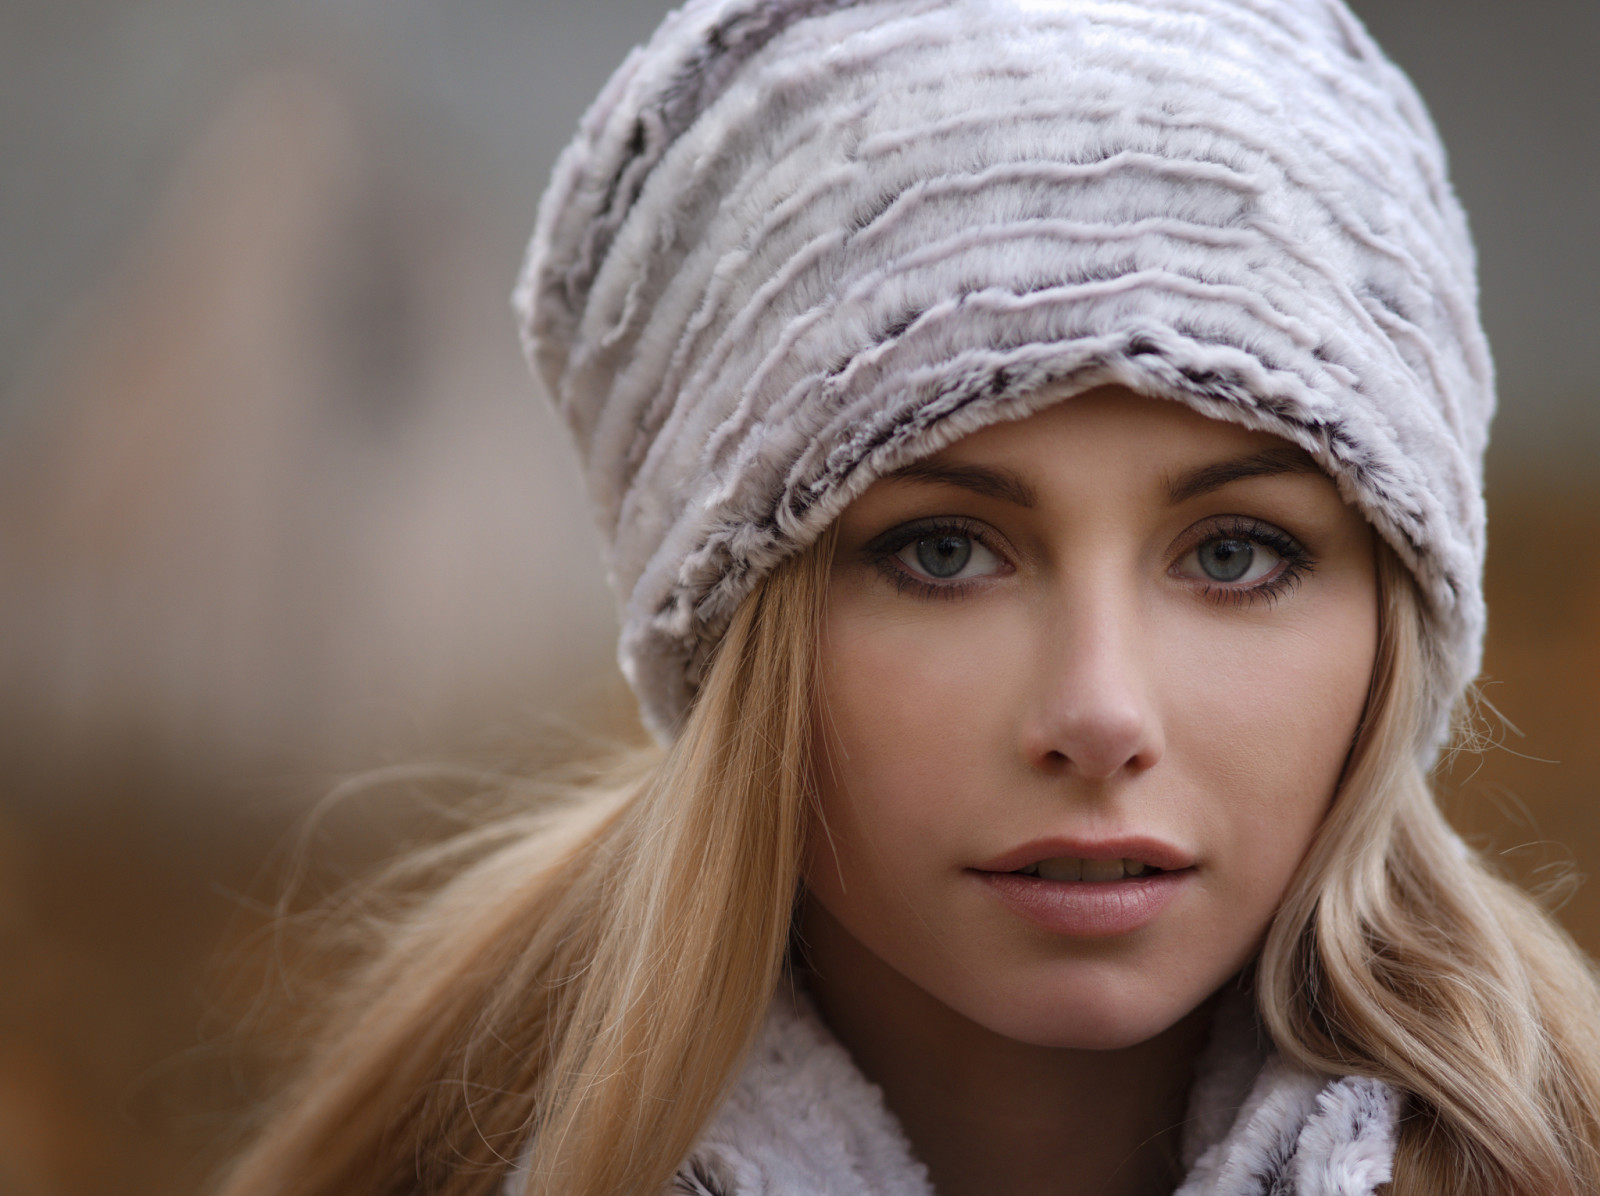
<point x="1297" y="562"/>
<point x="881" y="552"/>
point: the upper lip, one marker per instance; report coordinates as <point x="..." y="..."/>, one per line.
<point x="1140" y="848"/>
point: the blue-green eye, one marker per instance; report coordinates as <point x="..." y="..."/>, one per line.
<point x="1225" y="560"/>
<point x="944" y="556"/>
<point x="1230" y="561"/>
<point x="948" y="554"/>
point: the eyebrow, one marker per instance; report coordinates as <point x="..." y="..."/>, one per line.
<point x="986" y="480"/>
<point x="1267" y="463"/>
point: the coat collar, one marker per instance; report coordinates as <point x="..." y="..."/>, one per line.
<point x="801" y="1120"/>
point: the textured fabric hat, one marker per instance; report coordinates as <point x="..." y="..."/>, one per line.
<point x="797" y="244"/>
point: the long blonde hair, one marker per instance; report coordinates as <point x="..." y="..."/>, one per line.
<point x="1397" y="953"/>
<point x="580" y="987"/>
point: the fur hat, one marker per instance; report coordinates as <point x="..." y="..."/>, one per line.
<point x="797" y="244"/>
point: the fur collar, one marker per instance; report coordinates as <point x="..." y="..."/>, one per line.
<point x="802" y="1121"/>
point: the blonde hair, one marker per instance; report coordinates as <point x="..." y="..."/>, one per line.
<point x="1397" y="953"/>
<point x="582" y="985"/>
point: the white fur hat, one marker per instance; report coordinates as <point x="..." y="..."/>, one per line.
<point x="797" y="244"/>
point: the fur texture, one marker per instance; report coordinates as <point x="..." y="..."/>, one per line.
<point x="797" y="244"/>
<point x="802" y="1121"/>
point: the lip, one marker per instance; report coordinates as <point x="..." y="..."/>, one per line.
<point x="1089" y="909"/>
<point x="1143" y="848"/>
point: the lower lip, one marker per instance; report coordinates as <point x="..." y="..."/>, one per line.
<point x="1085" y="908"/>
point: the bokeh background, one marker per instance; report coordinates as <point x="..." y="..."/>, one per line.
<point x="279" y="505"/>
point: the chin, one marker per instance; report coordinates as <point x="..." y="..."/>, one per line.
<point x="1089" y="1030"/>
<point x="1083" y="1018"/>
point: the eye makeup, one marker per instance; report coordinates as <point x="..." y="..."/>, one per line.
<point x="939" y="539"/>
<point x="1242" y="535"/>
<point x="1230" y="559"/>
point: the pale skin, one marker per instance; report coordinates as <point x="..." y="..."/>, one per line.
<point x="1112" y="629"/>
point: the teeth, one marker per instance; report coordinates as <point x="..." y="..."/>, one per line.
<point x="1072" y="868"/>
<point x="1102" y="869"/>
<point x="1065" y="868"/>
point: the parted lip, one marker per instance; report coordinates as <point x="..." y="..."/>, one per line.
<point x="1145" y="850"/>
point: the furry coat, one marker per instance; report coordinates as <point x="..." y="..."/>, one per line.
<point x="803" y="1121"/>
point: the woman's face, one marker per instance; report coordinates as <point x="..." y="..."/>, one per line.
<point x="1088" y="682"/>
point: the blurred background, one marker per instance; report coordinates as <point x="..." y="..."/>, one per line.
<point x="279" y="504"/>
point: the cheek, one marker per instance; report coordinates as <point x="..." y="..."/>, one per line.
<point x="1264" y="725"/>
<point x="906" y="720"/>
<point x="899" y="698"/>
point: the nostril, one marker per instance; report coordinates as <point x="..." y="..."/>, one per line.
<point x="1093" y="719"/>
<point x="1099" y="757"/>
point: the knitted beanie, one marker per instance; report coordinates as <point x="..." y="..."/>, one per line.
<point x="798" y="244"/>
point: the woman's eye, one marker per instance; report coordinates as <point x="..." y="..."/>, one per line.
<point x="1230" y="561"/>
<point x="948" y="556"/>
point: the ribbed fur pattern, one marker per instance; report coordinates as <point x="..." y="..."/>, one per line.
<point x="799" y="243"/>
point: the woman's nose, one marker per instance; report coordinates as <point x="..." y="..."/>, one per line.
<point x="1093" y="712"/>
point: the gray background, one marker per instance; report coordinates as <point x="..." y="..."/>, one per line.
<point x="99" y="99"/>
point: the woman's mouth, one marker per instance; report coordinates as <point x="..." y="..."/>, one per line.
<point x="1097" y="891"/>
<point x="1078" y="868"/>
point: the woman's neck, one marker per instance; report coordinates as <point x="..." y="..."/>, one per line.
<point x="987" y="1113"/>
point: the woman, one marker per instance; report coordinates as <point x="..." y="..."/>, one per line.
<point x="1039" y="446"/>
